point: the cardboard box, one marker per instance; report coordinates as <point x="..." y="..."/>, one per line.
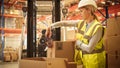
<point x="7" y="56"/>
<point x="79" y="66"/>
<point x="71" y="34"/>
<point x="113" y="61"/>
<point x="19" y="22"/>
<point x="70" y="64"/>
<point x="62" y="49"/>
<point x="113" y="45"/>
<point x="42" y="62"/>
<point x="113" y="27"/>
<point x="105" y="43"/>
<point x="13" y="55"/>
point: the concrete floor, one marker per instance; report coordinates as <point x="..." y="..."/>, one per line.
<point x="9" y="65"/>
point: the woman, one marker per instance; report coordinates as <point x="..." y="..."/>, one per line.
<point x="89" y="47"/>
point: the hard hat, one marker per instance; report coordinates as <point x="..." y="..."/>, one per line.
<point x="87" y="2"/>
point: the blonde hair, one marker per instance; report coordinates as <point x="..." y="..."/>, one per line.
<point x="92" y="9"/>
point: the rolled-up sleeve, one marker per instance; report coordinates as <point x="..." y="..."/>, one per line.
<point x="69" y="23"/>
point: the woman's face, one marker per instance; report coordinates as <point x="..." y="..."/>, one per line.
<point x="84" y="13"/>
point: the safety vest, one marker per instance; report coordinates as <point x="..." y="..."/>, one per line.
<point x="88" y="59"/>
<point x="85" y="35"/>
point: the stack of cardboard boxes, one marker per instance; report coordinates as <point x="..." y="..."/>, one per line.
<point x="112" y="42"/>
<point x="10" y="54"/>
<point x="61" y="55"/>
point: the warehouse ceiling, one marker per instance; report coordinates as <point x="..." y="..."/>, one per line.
<point x="44" y="7"/>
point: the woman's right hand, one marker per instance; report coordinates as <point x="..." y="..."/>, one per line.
<point x="48" y="35"/>
<point x="48" y="32"/>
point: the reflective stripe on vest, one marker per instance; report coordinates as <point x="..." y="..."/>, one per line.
<point x="89" y="37"/>
<point x="79" y="28"/>
<point x="94" y="51"/>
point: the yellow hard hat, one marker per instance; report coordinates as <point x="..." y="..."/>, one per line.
<point x="87" y="2"/>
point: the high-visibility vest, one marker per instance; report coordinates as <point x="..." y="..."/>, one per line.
<point x="96" y="58"/>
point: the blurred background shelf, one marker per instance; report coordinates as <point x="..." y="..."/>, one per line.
<point x="10" y="30"/>
<point x="12" y="16"/>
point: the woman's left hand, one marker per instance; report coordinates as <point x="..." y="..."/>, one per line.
<point x="78" y="43"/>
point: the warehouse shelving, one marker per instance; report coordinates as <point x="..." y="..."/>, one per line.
<point x="111" y="12"/>
<point x="11" y="30"/>
<point x="5" y="31"/>
<point x="15" y="3"/>
<point x="10" y="3"/>
<point x="2" y="32"/>
<point x="8" y="30"/>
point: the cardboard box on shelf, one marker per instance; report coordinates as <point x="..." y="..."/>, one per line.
<point x="113" y="45"/>
<point x="62" y="49"/>
<point x="19" y="22"/>
<point x="43" y="63"/>
<point x="10" y="54"/>
<point x="113" y="27"/>
<point x="113" y="61"/>
<point x="11" y="49"/>
<point x="7" y="56"/>
<point x="6" y="53"/>
<point x="10" y="23"/>
<point x="8" y="49"/>
<point x="13" y="55"/>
